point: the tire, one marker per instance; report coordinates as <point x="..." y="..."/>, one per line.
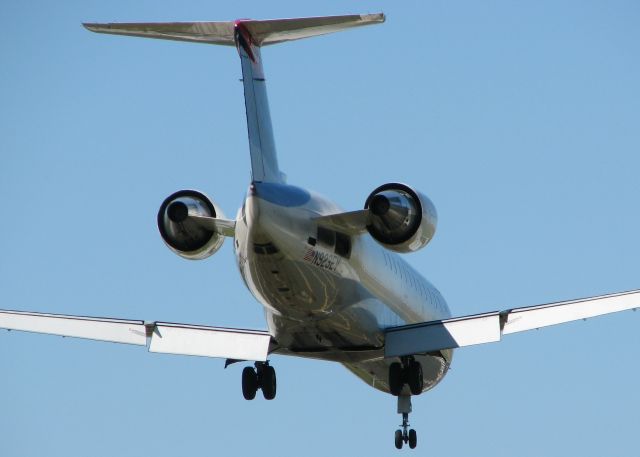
<point x="249" y="383"/>
<point x="395" y="378"/>
<point x="268" y="382"/>
<point x="415" y="378"/>
<point x="413" y="439"/>
<point x="398" y="439"/>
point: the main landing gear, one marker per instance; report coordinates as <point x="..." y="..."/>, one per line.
<point x="262" y="377"/>
<point x="409" y="372"/>
<point x="406" y="372"/>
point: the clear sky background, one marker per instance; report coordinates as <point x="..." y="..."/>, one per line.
<point x="519" y="119"/>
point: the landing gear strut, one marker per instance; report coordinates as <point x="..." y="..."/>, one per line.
<point x="405" y="435"/>
<point x="262" y="377"/>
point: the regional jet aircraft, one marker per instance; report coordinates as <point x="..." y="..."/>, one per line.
<point x="332" y="283"/>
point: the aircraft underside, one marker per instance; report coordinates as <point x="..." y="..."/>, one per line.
<point x="331" y="282"/>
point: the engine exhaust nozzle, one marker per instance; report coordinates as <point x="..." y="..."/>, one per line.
<point x="379" y="205"/>
<point x="177" y="212"/>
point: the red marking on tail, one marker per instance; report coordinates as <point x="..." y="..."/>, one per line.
<point x="243" y="38"/>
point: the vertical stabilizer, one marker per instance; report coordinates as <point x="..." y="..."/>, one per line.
<point x="264" y="160"/>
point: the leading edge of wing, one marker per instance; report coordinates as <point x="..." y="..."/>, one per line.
<point x="489" y="327"/>
<point x="160" y="337"/>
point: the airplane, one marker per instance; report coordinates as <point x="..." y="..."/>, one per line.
<point x="333" y="284"/>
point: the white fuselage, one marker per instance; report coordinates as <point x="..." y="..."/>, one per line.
<point x="327" y="295"/>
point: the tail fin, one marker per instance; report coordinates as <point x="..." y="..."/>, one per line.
<point x="247" y="36"/>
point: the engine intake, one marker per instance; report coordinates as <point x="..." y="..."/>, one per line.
<point x="402" y="219"/>
<point x="183" y="235"/>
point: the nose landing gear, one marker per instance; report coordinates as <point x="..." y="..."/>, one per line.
<point x="405" y="435"/>
<point x="262" y="377"/>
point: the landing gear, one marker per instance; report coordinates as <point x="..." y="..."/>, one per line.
<point x="268" y="382"/>
<point x="249" y="383"/>
<point x="399" y="439"/>
<point x="406" y="372"/>
<point x="396" y="378"/>
<point x="409" y="372"/>
<point x="262" y="377"/>
<point x="405" y="435"/>
<point x="413" y="439"/>
<point x="415" y="380"/>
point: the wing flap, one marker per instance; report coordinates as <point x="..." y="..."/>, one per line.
<point x="161" y="337"/>
<point x="210" y="342"/>
<point x="438" y="335"/>
<point x="489" y="328"/>
<point x="112" y="330"/>
<point x="523" y="319"/>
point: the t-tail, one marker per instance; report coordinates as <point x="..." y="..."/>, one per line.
<point x="248" y="36"/>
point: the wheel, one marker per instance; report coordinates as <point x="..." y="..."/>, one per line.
<point x="249" y="383"/>
<point x="268" y="382"/>
<point x="399" y="439"/>
<point x="413" y="439"/>
<point x="395" y="378"/>
<point x="415" y="378"/>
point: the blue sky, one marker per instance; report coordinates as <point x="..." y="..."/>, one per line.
<point x="519" y="119"/>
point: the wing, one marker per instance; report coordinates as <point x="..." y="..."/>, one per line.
<point x="160" y="337"/>
<point x="489" y="328"/>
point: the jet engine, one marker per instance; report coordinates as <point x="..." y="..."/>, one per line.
<point x="401" y="219"/>
<point x="184" y="235"/>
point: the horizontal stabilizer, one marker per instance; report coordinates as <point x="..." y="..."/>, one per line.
<point x="161" y="337"/>
<point x="489" y="328"/>
<point x="263" y="32"/>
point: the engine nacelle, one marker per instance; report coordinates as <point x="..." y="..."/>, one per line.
<point x="402" y="219"/>
<point x="183" y="235"/>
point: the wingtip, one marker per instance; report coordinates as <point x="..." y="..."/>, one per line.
<point x="375" y="17"/>
<point x="96" y="26"/>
